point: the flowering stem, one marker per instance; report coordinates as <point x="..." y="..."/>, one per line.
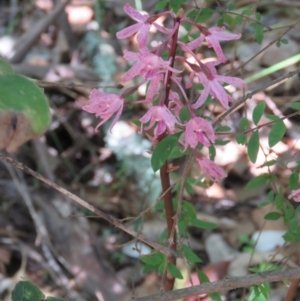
<point x="164" y="173"/>
<point x="172" y="55"/>
<point x="169" y="209"/>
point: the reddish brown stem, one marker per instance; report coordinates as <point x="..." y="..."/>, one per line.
<point x="164" y="174"/>
<point x="172" y="55"/>
<point x="169" y="209"/>
<point x="292" y="290"/>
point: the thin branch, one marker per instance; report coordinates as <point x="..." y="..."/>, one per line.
<point x="267" y="46"/>
<point x="249" y="95"/>
<point x="224" y="285"/>
<point x="112" y="220"/>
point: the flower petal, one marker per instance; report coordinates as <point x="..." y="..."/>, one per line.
<point x="201" y="100"/>
<point x="235" y="81"/>
<point x="142" y="37"/>
<point x="195" y="43"/>
<point x="132" y="72"/>
<point x="218" y="92"/>
<point x="135" y="14"/>
<point x="217" y="47"/>
<point x="129" y="31"/>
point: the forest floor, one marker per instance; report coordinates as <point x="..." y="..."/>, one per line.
<point x="66" y="250"/>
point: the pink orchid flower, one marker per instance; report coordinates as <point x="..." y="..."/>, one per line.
<point x="146" y="64"/>
<point x="175" y="105"/>
<point x="164" y="118"/>
<point x="295" y="195"/>
<point x="210" y="169"/>
<point x="153" y="87"/>
<point x="212" y="83"/>
<point x="104" y="106"/>
<point x="213" y="36"/>
<point x="143" y="26"/>
<point x="198" y="130"/>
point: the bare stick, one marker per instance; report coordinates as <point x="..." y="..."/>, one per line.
<point x="224" y="285"/>
<point x="112" y="220"/>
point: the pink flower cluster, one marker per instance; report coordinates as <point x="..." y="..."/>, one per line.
<point x="163" y="78"/>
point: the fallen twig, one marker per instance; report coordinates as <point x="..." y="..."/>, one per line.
<point x="224" y="285"/>
<point x="112" y="220"/>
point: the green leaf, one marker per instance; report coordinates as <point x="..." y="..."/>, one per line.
<point x="229" y="20"/>
<point x="25" y="108"/>
<point x="204" y="15"/>
<point x="154" y="259"/>
<point x="163" y="236"/>
<point x="189" y="209"/>
<point x="278" y="44"/>
<point x="177" y="2"/>
<point x="244" y="239"/>
<point x="182" y="226"/>
<point x="258" y="17"/>
<point x="239" y="20"/>
<point x="26" y="291"/>
<point x="215" y="296"/>
<point x="244" y="123"/>
<point x="258" y="32"/>
<point x="279" y="201"/>
<point x="277" y="132"/>
<point x="271" y="196"/>
<point x="188" y="185"/>
<point x="231" y="6"/>
<point x="174" y="271"/>
<point x="272" y="117"/>
<point x="220" y="22"/>
<point x="163" y="150"/>
<point x="284" y="41"/>
<point x="190" y="255"/>
<point x="177" y="152"/>
<point x="273" y="216"/>
<point x="184" y="115"/>
<point x="293" y="225"/>
<point x="264" y="204"/>
<point x="253" y="146"/>
<point x="248" y="12"/>
<point x="293" y="180"/>
<point x="174" y="8"/>
<point x="148" y="268"/>
<point x="241" y="139"/>
<point x="212" y="152"/>
<point x="136" y="122"/>
<point x="258" y="181"/>
<point x="289" y="237"/>
<point x="202" y="277"/>
<point x="295" y="105"/>
<point x="5" y="67"/>
<point x="258" y="112"/>
<point x="160" y="5"/>
<point x="270" y="163"/>
<point x="289" y="213"/>
<point x="222" y="142"/>
<point x="202" y="224"/>
<point x="19" y="94"/>
<point x="54" y="299"/>
<point x="222" y="129"/>
<point x="192" y="15"/>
